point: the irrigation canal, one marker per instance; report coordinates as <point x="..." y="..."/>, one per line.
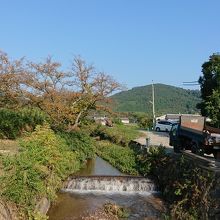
<point x="99" y="183"/>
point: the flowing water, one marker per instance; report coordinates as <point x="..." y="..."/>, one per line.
<point x="99" y="183"/>
<point x="110" y="184"/>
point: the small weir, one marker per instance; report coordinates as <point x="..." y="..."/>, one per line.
<point x="110" y="184"/>
<point x="99" y="183"/>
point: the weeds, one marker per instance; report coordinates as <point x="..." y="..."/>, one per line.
<point x="116" y="210"/>
<point x="38" y="171"/>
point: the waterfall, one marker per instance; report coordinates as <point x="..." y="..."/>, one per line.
<point x="110" y="184"/>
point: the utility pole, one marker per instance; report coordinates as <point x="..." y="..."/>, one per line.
<point x="153" y="104"/>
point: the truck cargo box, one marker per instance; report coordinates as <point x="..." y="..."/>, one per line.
<point x="192" y="123"/>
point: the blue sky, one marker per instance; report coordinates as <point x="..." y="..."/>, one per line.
<point x="135" y="41"/>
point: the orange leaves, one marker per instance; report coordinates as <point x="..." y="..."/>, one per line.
<point x="65" y="96"/>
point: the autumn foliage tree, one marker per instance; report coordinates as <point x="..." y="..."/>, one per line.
<point x="92" y="88"/>
<point x="11" y="92"/>
<point x="66" y="96"/>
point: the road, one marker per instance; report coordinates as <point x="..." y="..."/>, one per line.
<point x="162" y="138"/>
<point x="155" y="138"/>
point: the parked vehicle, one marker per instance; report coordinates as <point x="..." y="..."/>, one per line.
<point x="164" y="125"/>
<point x="192" y="133"/>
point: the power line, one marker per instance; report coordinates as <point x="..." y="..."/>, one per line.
<point x="191" y="83"/>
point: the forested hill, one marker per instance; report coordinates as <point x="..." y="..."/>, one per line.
<point x="168" y="99"/>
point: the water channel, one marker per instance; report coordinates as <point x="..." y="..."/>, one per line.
<point x="85" y="195"/>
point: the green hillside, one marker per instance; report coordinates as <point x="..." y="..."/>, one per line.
<point x="168" y="99"/>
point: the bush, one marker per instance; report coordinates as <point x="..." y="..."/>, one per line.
<point x="13" y="123"/>
<point x="149" y="162"/>
<point x="33" y="117"/>
<point x="185" y="186"/>
<point x="81" y="143"/>
<point x="123" y="158"/>
<point x="143" y="120"/>
<point x="38" y="171"/>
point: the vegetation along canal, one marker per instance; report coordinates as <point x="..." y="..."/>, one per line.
<point x="100" y="183"/>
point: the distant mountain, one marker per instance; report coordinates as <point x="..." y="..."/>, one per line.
<point x="168" y="99"/>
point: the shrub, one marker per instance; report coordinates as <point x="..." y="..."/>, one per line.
<point x="185" y="186"/>
<point x="38" y="170"/>
<point x="33" y="116"/>
<point x="149" y="162"/>
<point x="13" y="123"/>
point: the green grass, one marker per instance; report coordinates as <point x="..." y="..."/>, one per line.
<point x="81" y="143"/>
<point x="122" y="158"/>
<point x="118" y="134"/>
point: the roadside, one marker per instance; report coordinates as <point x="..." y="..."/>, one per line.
<point x="162" y="138"/>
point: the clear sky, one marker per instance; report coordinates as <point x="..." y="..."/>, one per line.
<point x="135" y="41"/>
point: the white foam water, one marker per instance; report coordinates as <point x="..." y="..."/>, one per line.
<point x="110" y="185"/>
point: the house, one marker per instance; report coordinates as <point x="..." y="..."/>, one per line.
<point x="103" y="121"/>
<point x="175" y="117"/>
<point x="100" y="120"/>
<point x="162" y="117"/>
<point x="125" y="120"/>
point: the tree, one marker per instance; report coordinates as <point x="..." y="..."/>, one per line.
<point x="143" y="119"/>
<point x="67" y="96"/>
<point x="210" y="89"/>
<point x="11" y="92"/>
<point x="93" y="88"/>
<point x="212" y="106"/>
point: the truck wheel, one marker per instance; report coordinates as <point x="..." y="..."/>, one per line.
<point x="196" y="149"/>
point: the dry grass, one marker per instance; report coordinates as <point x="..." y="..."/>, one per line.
<point x="8" y="147"/>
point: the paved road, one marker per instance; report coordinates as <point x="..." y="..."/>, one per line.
<point x="156" y="138"/>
